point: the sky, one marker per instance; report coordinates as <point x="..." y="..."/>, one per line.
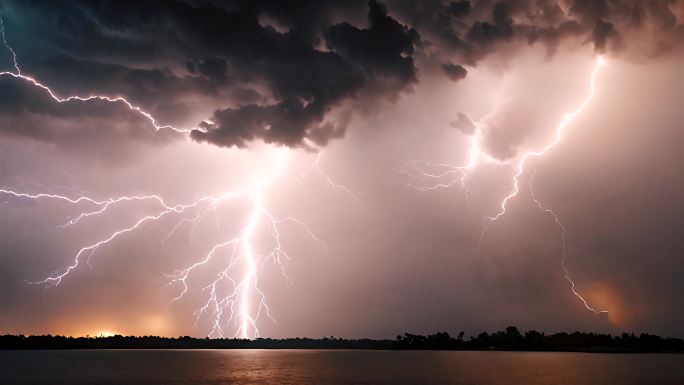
<point x="356" y="169"/>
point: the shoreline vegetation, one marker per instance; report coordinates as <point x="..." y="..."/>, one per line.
<point x="507" y="340"/>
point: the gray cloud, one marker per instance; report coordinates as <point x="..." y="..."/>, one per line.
<point x="463" y="124"/>
<point x="196" y="59"/>
<point x="454" y="72"/>
<point x="468" y="33"/>
<point x="307" y="75"/>
<point x="94" y="129"/>
<point x="358" y="59"/>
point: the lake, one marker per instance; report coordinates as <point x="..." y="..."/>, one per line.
<point x="335" y="367"/>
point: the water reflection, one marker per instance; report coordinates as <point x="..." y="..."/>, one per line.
<point x="336" y="367"/>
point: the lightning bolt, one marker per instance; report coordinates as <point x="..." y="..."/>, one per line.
<point x="245" y="303"/>
<point x="564" y="234"/>
<point x="234" y="298"/>
<point x="428" y="176"/>
<point x="355" y="194"/>
<point x="112" y="99"/>
<point x="9" y="48"/>
<point x="560" y="129"/>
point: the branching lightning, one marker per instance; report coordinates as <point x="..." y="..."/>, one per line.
<point x="112" y="99"/>
<point x="564" y="234"/>
<point x="427" y="176"/>
<point x="234" y="300"/>
<point x="356" y="194"/>
<point x="245" y="302"/>
<point x="117" y="99"/>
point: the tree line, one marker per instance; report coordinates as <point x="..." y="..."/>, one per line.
<point x="509" y="339"/>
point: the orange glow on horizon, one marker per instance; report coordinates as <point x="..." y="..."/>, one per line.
<point x="106" y="333"/>
<point x="606" y="296"/>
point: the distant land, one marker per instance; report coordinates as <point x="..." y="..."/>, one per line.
<point x="507" y="340"/>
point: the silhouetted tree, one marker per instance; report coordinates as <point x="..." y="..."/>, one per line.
<point x="510" y="339"/>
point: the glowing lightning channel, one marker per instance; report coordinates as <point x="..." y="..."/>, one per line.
<point x="251" y="268"/>
<point x="357" y="195"/>
<point x="427" y="180"/>
<point x="560" y="129"/>
<point x="563" y="245"/>
<point x="120" y="99"/>
<point x="116" y="99"/>
<point x="245" y="302"/>
<point x="419" y="171"/>
<point x="4" y="40"/>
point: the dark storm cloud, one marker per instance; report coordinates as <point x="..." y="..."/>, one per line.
<point x="161" y="53"/>
<point x="470" y="31"/>
<point x="158" y="90"/>
<point x="303" y="74"/>
<point x="80" y="127"/>
<point x="454" y="72"/>
<point x="453" y="32"/>
<point x="270" y="71"/>
<point x="312" y="83"/>
<point x="484" y="33"/>
<point x="459" y="8"/>
<point x="602" y="33"/>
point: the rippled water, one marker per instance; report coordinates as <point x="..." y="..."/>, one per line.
<point x="335" y="367"/>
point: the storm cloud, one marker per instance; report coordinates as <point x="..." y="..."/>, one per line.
<point x="262" y="71"/>
<point x="336" y="98"/>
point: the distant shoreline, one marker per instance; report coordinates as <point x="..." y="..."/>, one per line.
<point x="509" y="340"/>
<point x="597" y="351"/>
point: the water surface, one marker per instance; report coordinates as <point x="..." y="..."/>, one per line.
<point x="271" y="367"/>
